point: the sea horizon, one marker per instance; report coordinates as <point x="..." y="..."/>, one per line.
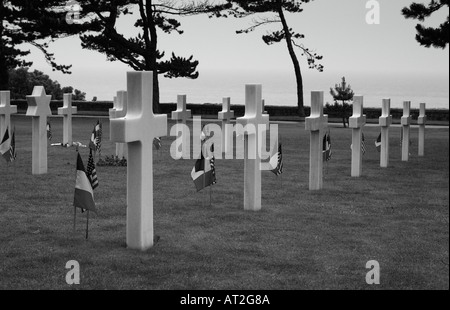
<point x="279" y="88"/>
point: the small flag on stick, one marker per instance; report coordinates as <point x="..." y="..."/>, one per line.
<point x="363" y="144"/>
<point x="91" y="172"/>
<point x="327" y="147"/>
<point x="202" y="174"/>
<point x="277" y="161"/>
<point x="378" y="143"/>
<point x="49" y="131"/>
<point x="12" y="148"/>
<point x="84" y="195"/>
<point x="96" y="137"/>
<point x="212" y="162"/>
<point x="157" y="143"/>
<point x="5" y="146"/>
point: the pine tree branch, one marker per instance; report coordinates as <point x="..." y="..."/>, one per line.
<point x="258" y="23"/>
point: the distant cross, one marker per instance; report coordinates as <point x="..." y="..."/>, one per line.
<point x="6" y="109"/>
<point x="67" y="110"/>
<point x="119" y="111"/>
<point x="252" y="142"/>
<point x="422" y="121"/>
<point x="227" y="136"/>
<point x="263" y="108"/>
<point x="39" y="109"/>
<point x="138" y="129"/>
<point x="357" y="122"/>
<point x="385" y="122"/>
<point x="182" y="115"/>
<point x="315" y="124"/>
<point x="406" y="125"/>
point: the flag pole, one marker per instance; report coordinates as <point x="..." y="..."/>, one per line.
<point x="87" y="224"/>
<point x="210" y="196"/>
<point x="75" y="208"/>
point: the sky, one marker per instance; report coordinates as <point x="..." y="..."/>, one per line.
<point x="336" y="29"/>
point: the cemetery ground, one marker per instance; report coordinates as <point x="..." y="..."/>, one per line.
<point x="398" y="216"/>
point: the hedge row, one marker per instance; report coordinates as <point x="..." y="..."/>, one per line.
<point x="102" y="108"/>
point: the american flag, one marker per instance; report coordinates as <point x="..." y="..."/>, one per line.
<point x="327" y="147"/>
<point x="157" y="143"/>
<point x="91" y="172"/>
<point x="212" y="163"/>
<point x="12" y="148"/>
<point x="96" y="137"/>
<point x="363" y="144"/>
<point x="99" y="135"/>
<point x="378" y="143"/>
<point x="279" y="169"/>
<point x="49" y="131"/>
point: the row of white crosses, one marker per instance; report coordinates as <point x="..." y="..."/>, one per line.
<point x="358" y="120"/>
<point x="6" y="109"/>
<point x="38" y="110"/>
<point x="140" y="126"/>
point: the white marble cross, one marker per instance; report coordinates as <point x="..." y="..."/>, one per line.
<point x="120" y="110"/>
<point x="39" y="109"/>
<point x="182" y="115"/>
<point x="406" y="125"/>
<point x="6" y="109"/>
<point x="385" y="122"/>
<point x="252" y="120"/>
<point x="67" y="110"/>
<point x="315" y="124"/>
<point x="422" y="121"/>
<point x="138" y="129"/>
<point x="357" y="122"/>
<point x="227" y="133"/>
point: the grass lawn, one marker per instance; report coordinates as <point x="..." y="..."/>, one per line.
<point x="398" y="216"/>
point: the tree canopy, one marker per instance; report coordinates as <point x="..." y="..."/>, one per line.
<point x="273" y="12"/>
<point x="141" y="51"/>
<point x="22" y="82"/>
<point x="428" y="36"/>
<point x="36" y="22"/>
<point x="342" y="94"/>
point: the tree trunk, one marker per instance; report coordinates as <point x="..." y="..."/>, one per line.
<point x="156" y="107"/>
<point x="152" y="62"/>
<point x="344" y="114"/>
<point x="4" y="76"/>
<point x="298" y="72"/>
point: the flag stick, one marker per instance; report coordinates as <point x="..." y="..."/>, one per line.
<point x="75" y="208"/>
<point x="87" y="224"/>
<point x="210" y="196"/>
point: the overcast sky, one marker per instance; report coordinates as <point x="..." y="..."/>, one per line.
<point x="336" y="29"/>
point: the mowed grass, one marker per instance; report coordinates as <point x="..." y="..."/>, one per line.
<point x="398" y="216"/>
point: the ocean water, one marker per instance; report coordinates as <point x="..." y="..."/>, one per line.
<point x="279" y="87"/>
